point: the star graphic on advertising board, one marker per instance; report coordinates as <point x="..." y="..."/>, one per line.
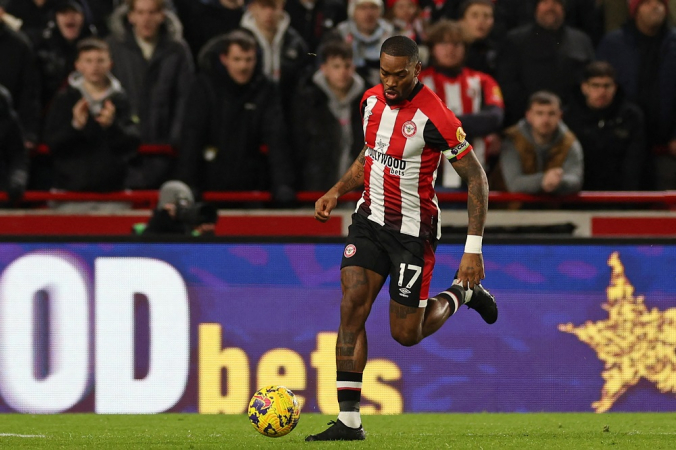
<point x="633" y="342"/>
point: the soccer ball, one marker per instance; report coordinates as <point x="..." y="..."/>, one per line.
<point x="274" y="411"/>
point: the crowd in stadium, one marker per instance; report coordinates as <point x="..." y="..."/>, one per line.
<point x="556" y="96"/>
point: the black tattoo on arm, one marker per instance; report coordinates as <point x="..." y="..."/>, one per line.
<point x="354" y="177"/>
<point x="473" y="175"/>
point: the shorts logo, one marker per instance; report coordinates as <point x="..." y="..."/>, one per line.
<point x="460" y="134"/>
<point x="404" y="292"/>
<point x="409" y="129"/>
<point x="350" y="250"/>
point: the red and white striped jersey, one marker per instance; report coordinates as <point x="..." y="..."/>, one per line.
<point x="405" y="144"/>
<point x="465" y="93"/>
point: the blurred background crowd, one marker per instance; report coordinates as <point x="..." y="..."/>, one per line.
<point x="556" y="96"/>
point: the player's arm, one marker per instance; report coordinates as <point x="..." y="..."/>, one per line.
<point x="353" y="178"/>
<point x="469" y="168"/>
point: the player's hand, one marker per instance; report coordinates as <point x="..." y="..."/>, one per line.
<point x="471" y="270"/>
<point x="324" y="206"/>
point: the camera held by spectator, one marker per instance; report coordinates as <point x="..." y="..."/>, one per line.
<point x="178" y="214"/>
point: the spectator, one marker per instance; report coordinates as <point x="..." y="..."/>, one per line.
<point x="19" y="75"/>
<point x="155" y="68"/>
<point x="616" y="14"/>
<point x="545" y="55"/>
<point x="611" y="132"/>
<point x="644" y="54"/>
<point x="284" y="53"/>
<point x="33" y="14"/>
<point x="327" y="121"/>
<point x="406" y="17"/>
<point x="473" y="96"/>
<point x="314" y="18"/>
<point x="233" y="136"/>
<point x="584" y="15"/>
<point x="205" y="19"/>
<point x="540" y="154"/>
<point x="89" y="127"/>
<point x="13" y="158"/>
<point x="476" y="20"/>
<point x="366" y="30"/>
<point x="56" y="49"/>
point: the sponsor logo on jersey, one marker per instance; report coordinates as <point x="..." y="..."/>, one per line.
<point x="397" y="166"/>
<point x="409" y="129"/>
<point x="350" y="250"/>
<point x="455" y="151"/>
<point x="460" y="134"/>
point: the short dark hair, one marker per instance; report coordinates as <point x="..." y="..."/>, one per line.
<point x="445" y="31"/>
<point x="335" y="48"/>
<point x="401" y="46"/>
<point x="243" y="38"/>
<point x="92" y="43"/>
<point x="543" y="98"/>
<point x="464" y="6"/>
<point x="161" y="4"/>
<point x="598" y="69"/>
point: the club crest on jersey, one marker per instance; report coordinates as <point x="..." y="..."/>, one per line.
<point x="460" y="134"/>
<point x="350" y="250"/>
<point x="409" y="129"/>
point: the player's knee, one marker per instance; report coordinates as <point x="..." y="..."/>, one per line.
<point x="407" y="338"/>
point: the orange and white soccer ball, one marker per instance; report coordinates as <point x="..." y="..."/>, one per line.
<point x="274" y="411"/>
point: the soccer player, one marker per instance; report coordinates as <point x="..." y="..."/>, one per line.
<point x="396" y="226"/>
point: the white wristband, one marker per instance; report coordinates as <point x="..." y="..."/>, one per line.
<point x="473" y="244"/>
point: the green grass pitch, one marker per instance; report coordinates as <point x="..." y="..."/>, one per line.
<point x="633" y="431"/>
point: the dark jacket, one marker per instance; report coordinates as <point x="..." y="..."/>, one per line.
<point x="620" y="48"/>
<point x="18" y="73"/>
<point x="313" y="24"/>
<point x="93" y="159"/>
<point x="533" y="58"/>
<point x="56" y="60"/>
<point x="157" y="89"/>
<point x="205" y="19"/>
<point x="233" y="136"/>
<point x="613" y="141"/>
<point x="13" y="157"/>
<point x="318" y="136"/>
<point x="291" y="50"/>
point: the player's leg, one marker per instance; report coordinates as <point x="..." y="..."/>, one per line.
<point x="360" y="288"/>
<point x="364" y="267"/>
<point x="410" y="276"/>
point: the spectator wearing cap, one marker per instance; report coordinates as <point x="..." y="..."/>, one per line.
<point x="616" y="13"/>
<point x="611" y="132"/>
<point x="473" y="96"/>
<point x="56" y="48"/>
<point x="313" y="19"/>
<point x="545" y="55"/>
<point x="476" y="20"/>
<point x="284" y="52"/>
<point x="365" y="30"/>
<point x="643" y="52"/>
<point x="155" y="68"/>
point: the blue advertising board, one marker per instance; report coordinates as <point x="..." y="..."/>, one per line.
<point x="131" y="327"/>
